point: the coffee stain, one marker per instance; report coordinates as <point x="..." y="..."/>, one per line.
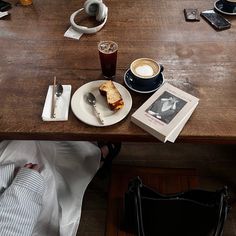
<point x="184" y="52"/>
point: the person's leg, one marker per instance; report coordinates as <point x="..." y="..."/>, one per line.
<point x="75" y="164"/>
<point x="108" y="152"/>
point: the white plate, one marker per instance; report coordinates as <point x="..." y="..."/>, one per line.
<point x="85" y="112"/>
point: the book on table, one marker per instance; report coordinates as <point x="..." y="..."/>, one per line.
<point x="166" y="112"/>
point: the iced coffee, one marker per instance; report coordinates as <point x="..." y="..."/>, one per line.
<point x="108" y="58"/>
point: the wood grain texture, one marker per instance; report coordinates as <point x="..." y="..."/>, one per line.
<point x="196" y="58"/>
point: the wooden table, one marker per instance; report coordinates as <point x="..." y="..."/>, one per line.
<point x="196" y="58"/>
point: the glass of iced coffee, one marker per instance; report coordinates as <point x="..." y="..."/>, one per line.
<point x="108" y="58"/>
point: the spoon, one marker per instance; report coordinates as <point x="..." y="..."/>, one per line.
<point x="92" y="101"/>
<point x="59" y="90"/>
<point x="58" y="93"/>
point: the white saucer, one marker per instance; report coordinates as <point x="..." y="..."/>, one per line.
<point x="141" y="89"/>
<point x="84" y="112"/>
<point x="219" y="7"/>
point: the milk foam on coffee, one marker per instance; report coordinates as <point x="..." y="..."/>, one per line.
<point x="144" y="70"/>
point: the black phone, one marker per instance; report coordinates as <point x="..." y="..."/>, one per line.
<point x="216" y="20"/>
<point x="4" y="6"/>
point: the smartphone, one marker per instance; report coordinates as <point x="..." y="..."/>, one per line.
<point x="215" y="20"/>
<point x="4" y="6"/>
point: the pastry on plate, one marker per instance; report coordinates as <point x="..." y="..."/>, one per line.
<point x="113" y="96"/>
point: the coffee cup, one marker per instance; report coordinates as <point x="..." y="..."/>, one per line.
<point x="145" y="71"/>
<point x="229" y="5"/>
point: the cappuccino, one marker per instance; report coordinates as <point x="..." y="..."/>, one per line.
<point x="145" y="68"/>
<point x="146" y="72"/>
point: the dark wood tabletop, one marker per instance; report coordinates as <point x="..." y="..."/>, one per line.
<point x="196" y="59"/>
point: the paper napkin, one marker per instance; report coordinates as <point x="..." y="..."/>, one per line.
<point x="71" y="33"/>
<point x="61" y="106"/>
<point x="2" y="14"/>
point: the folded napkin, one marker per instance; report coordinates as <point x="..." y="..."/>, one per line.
<point x="2" y="14"/>
<point x="61" y="105"/>
<point x="71" y="33"/>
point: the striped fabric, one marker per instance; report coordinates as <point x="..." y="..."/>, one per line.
<point x="6" y="175"/>
<point x="20" y="203"/>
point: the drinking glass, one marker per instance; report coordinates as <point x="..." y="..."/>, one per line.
<point x="108" y="58"/>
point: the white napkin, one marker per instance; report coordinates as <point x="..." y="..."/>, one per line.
<point x="2" y="14"/>
<point x="61" y="105"/>
<point x="71" y="33"/>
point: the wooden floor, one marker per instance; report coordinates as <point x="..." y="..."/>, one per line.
<point x="216" y="165"/>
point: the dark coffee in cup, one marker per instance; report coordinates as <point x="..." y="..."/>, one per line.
<point x="229" y="5"/>
<point x="145" y="71"/>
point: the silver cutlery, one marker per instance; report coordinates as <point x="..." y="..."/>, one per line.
<point x="53" y="98"/>
<point x="57" y="90"/>
<point x="58" y="93"/>
<point x="92" y="101"/>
